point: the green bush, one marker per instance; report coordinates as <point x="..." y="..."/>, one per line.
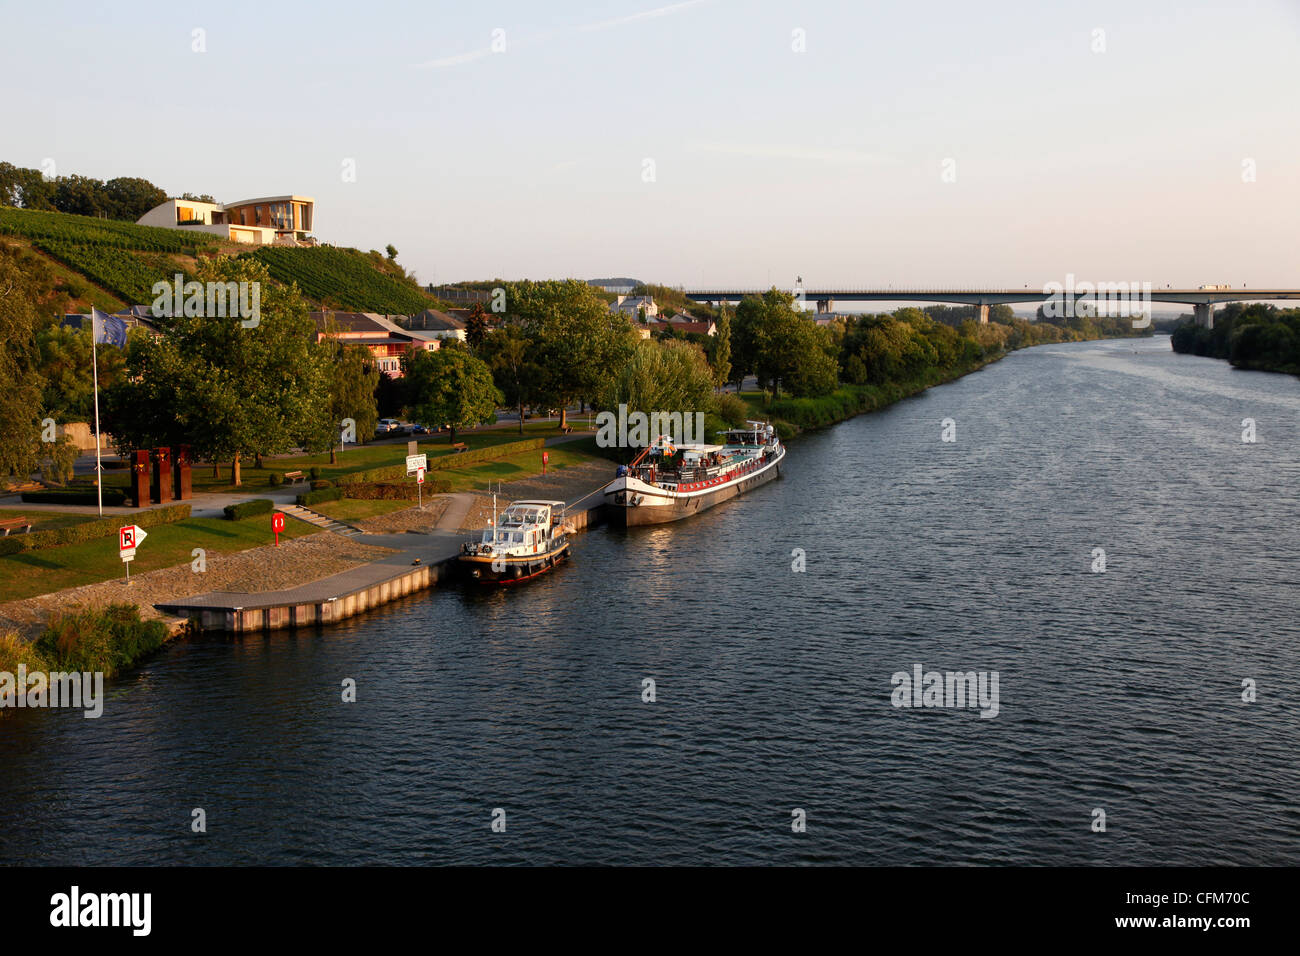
<point x="733" y="409"/>
<point x="319" y="495"/>
<point x="107" y="640"/>
<point x="319" y="483"/>
<point x="275" y="479"/>
<point x="89" y="530"/>
<point x="314" y="473"/>
<point x="249" y="509"/>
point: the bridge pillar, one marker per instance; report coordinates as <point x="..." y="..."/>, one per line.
<point x="825" y="306"/>
<point x="982" y="313"/>
<point x="1204" y="312"/>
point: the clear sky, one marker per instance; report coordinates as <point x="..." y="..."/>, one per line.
<point x="1115" y="163"/>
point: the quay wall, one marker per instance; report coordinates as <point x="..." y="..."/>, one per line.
<point x="587" y="513"/>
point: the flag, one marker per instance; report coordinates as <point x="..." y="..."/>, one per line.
<point x="108" y="329"/>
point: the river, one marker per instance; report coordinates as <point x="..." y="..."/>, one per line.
<point x="1119" y="691"/>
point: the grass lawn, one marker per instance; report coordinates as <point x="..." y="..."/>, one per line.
<point x="29" y="573"/>
<point x="356" y="509"/>
<point x="354" y="459"/>
<point x="45" y="520"/>
<point x="525" y="465"/>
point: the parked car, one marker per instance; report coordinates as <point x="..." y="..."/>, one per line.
<point x="418" y="429"/>
<point x="388" y="426"/>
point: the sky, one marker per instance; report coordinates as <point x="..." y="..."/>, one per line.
<point x="706" y="142"/>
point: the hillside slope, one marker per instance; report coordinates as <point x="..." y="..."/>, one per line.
<point x="111" y="264"/>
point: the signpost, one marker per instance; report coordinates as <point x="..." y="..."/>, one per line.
<point x="417" y="465"/>
<point x="128" y="539"/>
<point x="277" y="525"/>
<point x="546" y="457"/>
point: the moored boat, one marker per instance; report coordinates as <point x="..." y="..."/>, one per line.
<point x="527" y="539"/>
<point x="667" y="481"/>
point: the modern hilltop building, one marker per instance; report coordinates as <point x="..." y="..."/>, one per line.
<point x="286" y="220"/>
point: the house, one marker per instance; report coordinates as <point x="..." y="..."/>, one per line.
<point x="385" y="339"/>
<point x="284" y="220"/>
<point x="634" y="305"/>
<point x="684" y="322"/>
<point x="443" y="325"/>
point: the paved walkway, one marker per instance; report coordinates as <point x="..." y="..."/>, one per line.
<point x="458" y="506"/>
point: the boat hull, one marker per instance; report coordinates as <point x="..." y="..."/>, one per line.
<point x="654" y="510"/>
<point x="484" y="569"/>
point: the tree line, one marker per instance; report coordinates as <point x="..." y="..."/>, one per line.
<point x="234" y="393"/>
<point x="1251" y="335"/>
<point x="124" y="197"/>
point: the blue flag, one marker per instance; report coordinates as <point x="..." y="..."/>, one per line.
<point x="109" y="329"/>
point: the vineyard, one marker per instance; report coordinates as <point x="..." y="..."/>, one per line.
<point x="344" y="279"/>
<point x="106" y="251"/>
<point x="125" y="260"/>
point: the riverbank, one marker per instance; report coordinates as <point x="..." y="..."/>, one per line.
<point x="794" y="415"/>
<point x="252" y="571"/>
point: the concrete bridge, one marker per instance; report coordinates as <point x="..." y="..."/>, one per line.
<point x="1099" y="295"/>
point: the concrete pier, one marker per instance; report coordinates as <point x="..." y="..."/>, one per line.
<point x="420" y="561"/>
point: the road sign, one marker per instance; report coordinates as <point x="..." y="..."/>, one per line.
<point x="419" y="474"/>
<point x="546" y="458"/>
<point x="416" y="463"/>
<point x="277" y="525"/>
<point x="128" y="539"/>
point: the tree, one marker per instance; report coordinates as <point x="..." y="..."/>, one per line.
<point x="353" y="377"/>
<point x="508" y="353"/>
<point x="392" y="252"/>
<point x="450" y="387"/>
<point x="27" y="188"/>
<point x="476" y="327"/>
<point x="227" y="390"/>
<point x="579" y="344"/>
<point x="66" y="364"/>
<point x="130" y="198"/>
<point x="81" y="195"/>
<point x="783" y="346"/>
<point x="20" y="380"/>
<point x="671" y="376"/>
<point x="722" y="349"/>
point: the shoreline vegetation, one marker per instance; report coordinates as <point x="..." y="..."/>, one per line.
<point x="1253" y="336"/>
<point x="107" y="640"/>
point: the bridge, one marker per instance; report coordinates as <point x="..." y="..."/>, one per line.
<point x="1101" y="296"/>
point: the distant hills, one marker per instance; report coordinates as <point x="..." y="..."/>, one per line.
<point x="619" y="285"/>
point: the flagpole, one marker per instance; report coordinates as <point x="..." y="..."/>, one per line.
<point x="94" y="365"/>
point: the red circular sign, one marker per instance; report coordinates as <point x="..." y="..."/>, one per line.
<point x="277" y="522"/>
<point x="546" y="457"/>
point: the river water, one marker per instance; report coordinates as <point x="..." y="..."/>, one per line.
<point x="1119" y="691"/>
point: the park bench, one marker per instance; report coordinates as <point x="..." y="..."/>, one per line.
<point x="293" y="477"/>
<point x="12" y="524"/>
<point x="459" y="447"/>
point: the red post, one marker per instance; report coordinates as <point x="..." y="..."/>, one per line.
<point x="546" y="457"/>
<point x="277" y="525"/>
